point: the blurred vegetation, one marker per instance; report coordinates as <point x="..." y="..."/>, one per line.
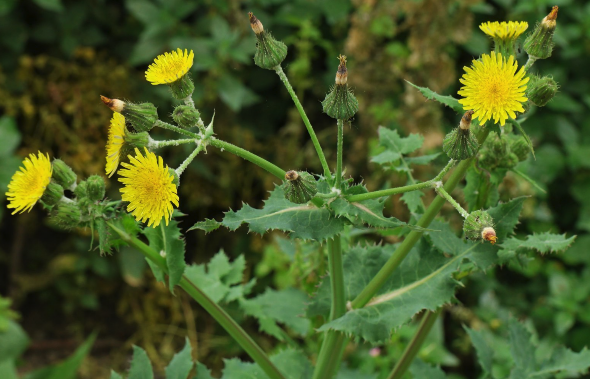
<point x="60" y="55"/>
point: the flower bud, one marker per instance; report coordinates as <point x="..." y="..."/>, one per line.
<point x="340" y="103"/>
<point x="81" y="190"/>
<point x="53" y="194"/>
<point x="63" y="174"/>
<point x="141" y="116"/>
<point x="509" y="160"/>
<point x="520" y="148"/>
<point x="460" y="143"/>
<point x="182" y="88"/>
<point x="269" y="52"/>
<point x="480" y="225"/>
<point x="67" y="215"/>
<point x="186" y="116"/>
<point x="96" y="188"/>
<point x="539" y="44"/>
<point x="541" y="90"/>
<point x="134" y="140"/>
<point x="300" y="187"/>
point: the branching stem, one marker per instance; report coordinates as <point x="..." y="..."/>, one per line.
<point x="174" y="128"/>
<point x="441" y="191"/>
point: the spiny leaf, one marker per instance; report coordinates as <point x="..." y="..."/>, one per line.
<point x="290" y="311"/>
<point x="449" y="101"/>
<point x="167" y="239"/>
<point x="522" y="350"/>
<point x="543" y="243"/>
<point x="420" y="370"/>
<point x="202" y="372"/>
<point x="563" y="359"/>
<point x="396" y="146"/>
<point x="181" y="364"/>
<point x="292" y="363"/>
<point x="485" y="353"/>
<point x="207" y="225"/>
<point x="303" y="221"/>
<point x="141" y="367"/>
<point x="506" y="216"/>
<point x="412" y="200"/>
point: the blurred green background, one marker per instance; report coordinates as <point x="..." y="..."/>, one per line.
<point x="58" y="56"/>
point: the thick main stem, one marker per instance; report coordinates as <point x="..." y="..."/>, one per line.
<point x="338" y="172"/>
<point x="330" y="352"/>
<point x="414" y="346"/>
<point x="314" y="138"/>
<point x="261" y="162"/>
<point x="225" y="320"/>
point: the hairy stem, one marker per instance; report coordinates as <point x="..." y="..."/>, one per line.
<point x="190" y="158"/>
<point x="314" y="139"/>
<point x="225" y="320"/>
<point x="153" y="144"/>
<point x="174" y="128"/>
<point x="441" y="191"/>
<point x="389" y="192"/>
<point x="338" y="172"/>
<point x="414" y="346"/>
<point x="261" y="162"/>
<point x="530" y="62"/>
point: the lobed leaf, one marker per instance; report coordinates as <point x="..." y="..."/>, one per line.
<point x="141" y="367"/>
<point x="396" y="146"/>
<point x="207" y="225"/>
<point x="485" y="353"/>
<point x="292" y="363"/>
<point x="167" y="239"/>
<point x="543" y="243"/>
<point x="449" y="101"/>
<point x="420" y="369"/>
<point x="181" y="364"/>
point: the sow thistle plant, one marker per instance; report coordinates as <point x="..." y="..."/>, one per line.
<point x="370" y="290"/>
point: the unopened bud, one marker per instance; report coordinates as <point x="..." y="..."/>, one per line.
<point x="340" y="103"/>
<point x="520" y="148"/>
<point x="53" y="194"/>
<point x="460" y="143"/>
<point x="269" y="52"/>
<point x="480" y="225"/>
<point x="67" y="215"/>
<point x="186" y="116"/>
<point x="63" y="174"/>
<point x="342" y="73"/>
<point x="96" y="188"/>
<point x="134" y="140"/>
<point x="541" y="90"/>
<point x="300" y="187"/>
<point x="81" y="190"/>
<point x="141" y="116"/>
<point x="539" y="44"/>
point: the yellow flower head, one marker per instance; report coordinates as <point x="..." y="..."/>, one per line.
<point x="504" y="30"/>
<point x="148" y="188"/>
<point x="27" y="185"/>
<point x="493" y="88"/>
<point x="115" y="143"/>
<point x="169" y="67"/>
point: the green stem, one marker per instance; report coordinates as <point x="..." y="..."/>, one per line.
<point x="530" y="62"/>
<point x="225" y="320"/>
<point x="189" y="159"/>
<point x="389" y="192"/>
<point x="338" y="172"/>
<point x="444" y="171"/>
<point x="314" y="139"/>
<point x="412" y="349"/>
<point x="441" y="191"/>
<point x="153" y="144"/>
<point x="261" y="162"/>
<point x="329" y="355"/>
<point x="404" y="248"/>
<point x="165" y="125"/>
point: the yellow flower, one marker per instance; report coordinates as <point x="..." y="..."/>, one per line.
<point x="169" y="67"/>
<point x="493" y="88"/>
<point x="115" y="143"/>
<point x="504" y="30"/>
<point x="148" y="188"/>
<point x="27" y="185"/>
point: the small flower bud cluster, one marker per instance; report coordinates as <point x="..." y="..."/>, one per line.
<point x="539" y="44"/>
<point x="461" y="143"/>
<point x="503" y="152"/>
<point x="340" y="103"/>
<point x="540" y="90"/>
<point x="269" y="52"/>
<point x="479" y="225"/>
<point x="300" y="186"/>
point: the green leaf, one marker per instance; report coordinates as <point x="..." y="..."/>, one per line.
<point x="506" y="217"/>
<point x="9" y="135"/>
<point x="115" y="375"/>
<point x="292" y="363"/>
<point x="6" y="314"/>
<point x="423" y="159"/>
<point x="52" y="5"/>
<point x="207" y="225"/>
<point x="479" y="193"/>
<point x="290" y="311"/>
<point x="421" y="370"/>
<point x="13" y="341"/>
<point x="422" y="281"/>
<point x="141" y="367"/>
<point x="8" y="370"/>
<point x="543" y="243"/>
<point x="181" y="364"/>
<point x="485" y="353"/>
<point x="144" y="10"/>
<point x="413" y="201"/>
<point x="449" y="101"/>
<point x="522" y="350"/>
<point x="202" y="372"/>
<point x="167" y="239"/>
<point x="347" y="373"/>
<point x="367" y="211"/>
<point x="563" y="359"/>
<point x="303" y="221"/>
<point x="396" y="146"/>
<point x="220" y="279"/>
<point x="68" y="368"/>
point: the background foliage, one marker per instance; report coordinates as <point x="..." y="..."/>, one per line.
<point x="59" y="56"/>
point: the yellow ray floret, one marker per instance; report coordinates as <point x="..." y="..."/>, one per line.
<point x="148" y="188"/>
<point x="493" y="88"/>
<point x="169" y="67"/>
<point x="27" y="185"/>
<point x="115" y="143"/>
<point x="504" y="30"/>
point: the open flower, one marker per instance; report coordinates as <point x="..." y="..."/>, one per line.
<point x="493" y="88"/>
<point x="510" y="30"/>
<point x="27" y="185"/>
<point x="169" y="67"/>
<point x="148" y="188"/>
<point x="115" y="143"/>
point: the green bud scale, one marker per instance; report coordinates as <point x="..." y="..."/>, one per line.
<point x="63" y="174"/>
<point x="539" y="44"/>
<point x="479" y="225"/>
<point x="53" y="194"/>
<point x="141" y="116"/>
<point x="520" y="148"/>
<point x="340" y="103"/>
<point x="67" y="215"/>
<point x="300" y="187"/>
<point x="182" y="88"/>
<point x="186" y="116"/>
<point x="96" y="188"/>
<point x="269" y="52"/>
<point x="134" y="140"/>
<point x="460" y="143"/>
<point x="540" y="91"/>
